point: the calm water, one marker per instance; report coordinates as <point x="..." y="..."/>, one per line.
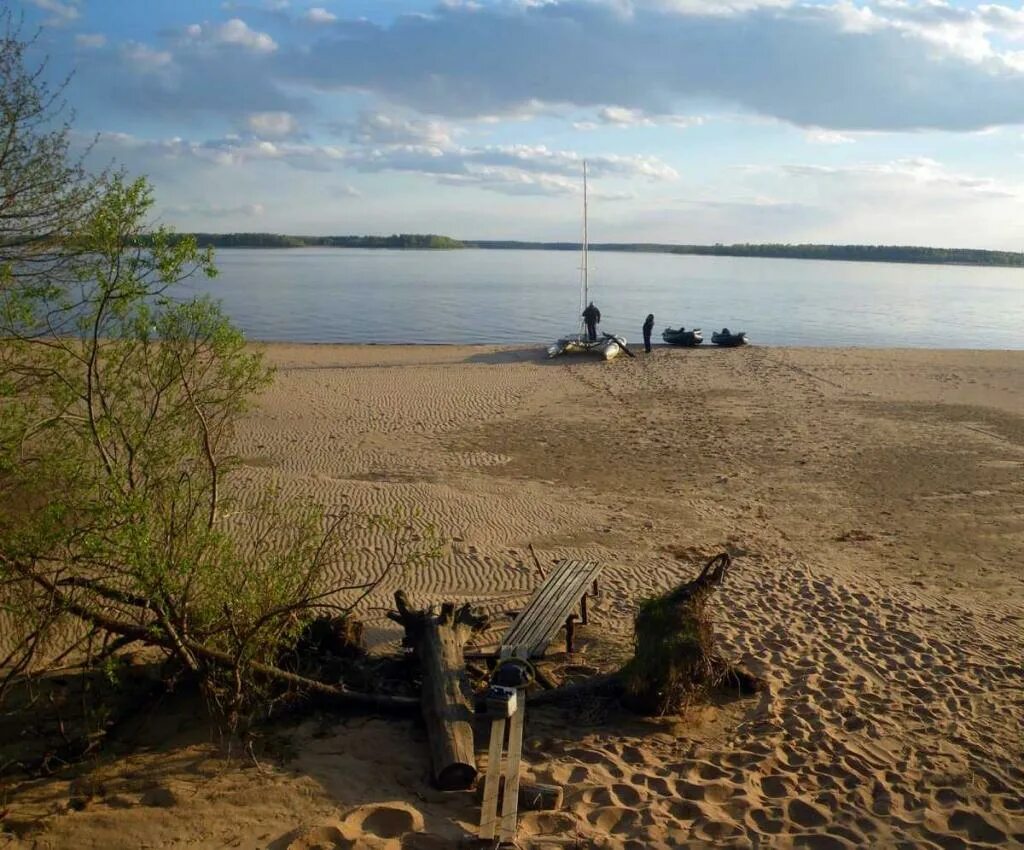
<point x="352" y="295"/>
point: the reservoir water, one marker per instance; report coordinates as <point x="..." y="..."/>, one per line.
<point x="494" y="296"/>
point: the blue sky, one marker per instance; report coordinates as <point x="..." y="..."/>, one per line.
<point x="889" y="121"/>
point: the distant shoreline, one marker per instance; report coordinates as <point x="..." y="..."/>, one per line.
<point x="911" y="254"/>
<point x="524" y="351"/>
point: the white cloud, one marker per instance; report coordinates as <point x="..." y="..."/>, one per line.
<point x="621" y="116"/>
<point x="91" y="41"/>
<point x="146" y="59"/>
<point x="235" y="32"/>
<point x="1008" y="21"/>
<point x="319" y="15"/>
<point x="229" y="151"/>
<point x="61" y="13"/>
<point x="189" y="75"/>
<point x="272" y="124"/>
<point x="838" y="66"/>
<point x="921" y="173"/>
<point x="914" y="200"/>
<point x="511" y="169"/>
<point x="828" y="137"/>
<point x="385" y="129"/>
<point x="344" y="190"/>
<point x="709" y="7"/>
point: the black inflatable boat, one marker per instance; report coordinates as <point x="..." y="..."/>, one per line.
<point x="727" y="338"/>
<point x="682" y="337"/>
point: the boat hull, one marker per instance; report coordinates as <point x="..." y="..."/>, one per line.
<point x="731" y="340"/>
<point x="607" y="348"/>
<point x="611" y="347"/>
<point x="687" y="339"/>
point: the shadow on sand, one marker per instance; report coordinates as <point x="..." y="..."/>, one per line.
<point x="538" y="354"/>
<point x="525" y="354"/>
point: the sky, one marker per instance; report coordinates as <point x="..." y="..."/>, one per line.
<point x="701" y="121"/>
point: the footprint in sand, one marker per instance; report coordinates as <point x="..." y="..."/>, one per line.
<point x="763" y="821"/>
<point x="571" y="775"/>
<point x="621" y="794"/>
<point x="776" y="786"/>
<point x="806" y="814"/>
<point x="686" y="810"/>
<point x="585" y="756"/>
<point x="614" y="820"/>
<point x="716" y="831"/>
<point x="977" y="828"/>
<point x="327" y="837"/>
<point x="717" y="792"/>
<point x="653" y="783"/>
<point x="547" y="823"/>
<point x="391" y="820"/>
<point x="823" y="842"/>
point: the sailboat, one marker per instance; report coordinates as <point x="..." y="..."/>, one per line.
<point x="609" y="345"/>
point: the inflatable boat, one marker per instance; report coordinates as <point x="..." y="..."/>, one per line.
<point x="682" y="337"/>
<point x="608" y="347"/>
<point x="727" y="338"/>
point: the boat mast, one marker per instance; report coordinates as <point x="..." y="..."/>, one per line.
<point x="586" y="270"/>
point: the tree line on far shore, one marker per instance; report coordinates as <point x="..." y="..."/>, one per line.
<point x="416" y="241"/>
<point x="430" y="241"/>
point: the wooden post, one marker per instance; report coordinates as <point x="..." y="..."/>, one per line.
<point x="570" y="632"/>
<point x="510" y="800"/>
<point x="584" y="619"/>
<point x="489" y="811"/>
<point x="446" y="699"/>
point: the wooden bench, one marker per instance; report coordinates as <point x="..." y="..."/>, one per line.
<point x="552" y="604"/>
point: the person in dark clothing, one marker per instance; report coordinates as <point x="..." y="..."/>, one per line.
<point x="648" y="327"/>
<point x="592" y="316"/>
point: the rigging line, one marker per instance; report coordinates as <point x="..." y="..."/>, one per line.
<point x="585" y="288"/>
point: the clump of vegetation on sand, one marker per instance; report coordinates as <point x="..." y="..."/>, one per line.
<point x="675" y="661"/>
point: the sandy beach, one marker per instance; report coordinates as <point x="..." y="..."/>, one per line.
<point x="874" y="505"/>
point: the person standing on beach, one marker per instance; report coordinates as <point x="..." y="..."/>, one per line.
<point x="648" y="327"/>
<point x="592" y="316"/>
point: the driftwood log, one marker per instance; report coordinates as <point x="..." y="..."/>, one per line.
<point x="446" y="698"/>
<point x="196" y="652"/>
<point x="533" y="796"/>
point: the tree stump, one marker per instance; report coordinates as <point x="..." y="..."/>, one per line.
<point x="446" y="698"/>
<point x="674" y="657"/>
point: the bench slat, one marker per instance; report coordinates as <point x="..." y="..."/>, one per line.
<point x="549" y="618"/>
<point x="549" y="607"/>
<point x="543" y="605"/>
<point x="583" y="579"/>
